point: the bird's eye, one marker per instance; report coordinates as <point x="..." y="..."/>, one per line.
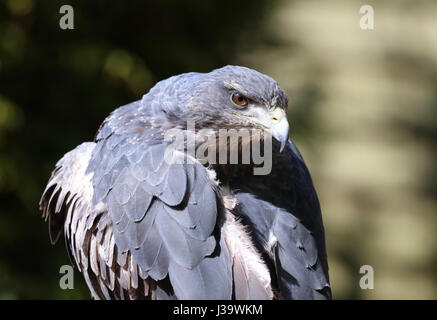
<point x="239" y="100"/>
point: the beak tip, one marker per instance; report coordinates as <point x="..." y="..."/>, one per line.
<point x="280" y="132"/>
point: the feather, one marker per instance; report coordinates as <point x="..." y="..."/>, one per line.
<point x="133" y="273"/>
<point x="183" y="249"/>
<point x="211" y="279"/>
<point x="93" y="254"/>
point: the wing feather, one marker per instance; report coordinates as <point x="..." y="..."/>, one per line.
<point x="288" y="225"/>
<point x="164" y="213"/>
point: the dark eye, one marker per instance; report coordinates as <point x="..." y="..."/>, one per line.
<point x="239" y="100"/>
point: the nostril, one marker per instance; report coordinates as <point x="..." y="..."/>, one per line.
<point x="277" y="115"/>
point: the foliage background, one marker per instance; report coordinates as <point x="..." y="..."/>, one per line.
<point x="363" y="110"/>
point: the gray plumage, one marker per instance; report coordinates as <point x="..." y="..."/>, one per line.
<point x="139" y="226"/>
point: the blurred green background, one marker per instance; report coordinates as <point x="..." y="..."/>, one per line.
<point x="363" y="111"/>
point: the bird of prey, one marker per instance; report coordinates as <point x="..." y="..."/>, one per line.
<point x="140" y="226"/>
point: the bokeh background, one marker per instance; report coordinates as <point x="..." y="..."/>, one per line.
<point x="363" y="111"/>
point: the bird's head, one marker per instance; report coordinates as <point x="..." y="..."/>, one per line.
<point x="229" y="97"/>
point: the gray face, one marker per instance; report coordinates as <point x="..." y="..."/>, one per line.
<point x="259" y="88"/>
<point x="211" y="92"/>
<point x="210" y="100"/>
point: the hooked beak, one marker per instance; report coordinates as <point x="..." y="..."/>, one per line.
<point x="279" y="126"/>
<point x="276" y="123"/>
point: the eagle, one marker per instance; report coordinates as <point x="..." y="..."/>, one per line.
<point x="146" y="218"/>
